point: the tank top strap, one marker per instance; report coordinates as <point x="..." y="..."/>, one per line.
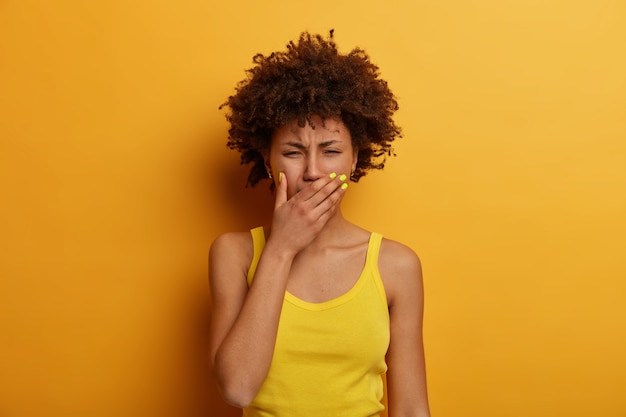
<point x="373" y="251"/>
<point x="258" y="242"/>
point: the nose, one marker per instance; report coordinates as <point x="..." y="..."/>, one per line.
<point x="312" y="170"/>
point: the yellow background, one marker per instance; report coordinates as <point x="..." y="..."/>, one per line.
<point x="510" y="182"/>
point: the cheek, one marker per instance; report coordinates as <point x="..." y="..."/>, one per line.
<point x="292" y="171"/>
<point x="341" y="167"/>
<point x="293" y="178"/>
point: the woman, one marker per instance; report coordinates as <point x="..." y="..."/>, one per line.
<point x="311" y="312"/>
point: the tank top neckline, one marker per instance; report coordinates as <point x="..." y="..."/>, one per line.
<point x="346" y="296"/>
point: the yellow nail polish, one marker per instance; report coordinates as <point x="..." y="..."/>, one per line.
<point x="343" y="177"/>
<point x="280" y="177"/>
<point x="332" y="176"/>
<point x="344" y="185"/>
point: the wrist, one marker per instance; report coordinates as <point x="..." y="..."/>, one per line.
<point x="280" y="251"/>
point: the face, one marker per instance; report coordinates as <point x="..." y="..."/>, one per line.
<point x="305" y="154"/>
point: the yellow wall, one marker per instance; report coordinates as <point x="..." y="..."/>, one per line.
<point x="510" y="183"/>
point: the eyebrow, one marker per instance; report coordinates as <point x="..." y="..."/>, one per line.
<point x="324" y="144"/>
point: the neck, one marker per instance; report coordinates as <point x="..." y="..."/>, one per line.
<point x="334" y="231"/>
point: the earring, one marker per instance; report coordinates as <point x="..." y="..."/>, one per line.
<point x="269" y="174"/>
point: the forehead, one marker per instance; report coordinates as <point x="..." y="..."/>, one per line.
<point x="318" y="130"/>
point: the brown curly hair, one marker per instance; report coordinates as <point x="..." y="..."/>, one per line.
<point x="312" y="78"/>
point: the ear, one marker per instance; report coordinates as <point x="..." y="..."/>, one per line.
<point x="355" y="159"/>
<point x="266" y="161"/>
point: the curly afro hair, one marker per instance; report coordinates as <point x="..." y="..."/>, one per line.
<point x="312" y="78"/>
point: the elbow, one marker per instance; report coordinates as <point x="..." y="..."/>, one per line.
<point x="236" y="396"/>
<point x="235" y="390"/>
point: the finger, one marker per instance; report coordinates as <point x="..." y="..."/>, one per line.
<point x="281" y="190"/>
<point x="321" y="190"/>
<point x="331" y="201"/>
<point x="326" y="208"/>
<point x="312" y="188"/>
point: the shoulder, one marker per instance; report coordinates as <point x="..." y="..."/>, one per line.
<point x="398" y="257"/>
<point x="400" y="269"/>
<point x="238" y="241"/>
<point x="231" y="250"/>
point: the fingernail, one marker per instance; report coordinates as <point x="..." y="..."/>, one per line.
<point x="332" y="176"/>
<point x="343" y="177"/>
<point x="280" y="177"/>
<point x="344" y="185"/>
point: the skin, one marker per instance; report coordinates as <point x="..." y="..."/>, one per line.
<point x="313" y="252"/>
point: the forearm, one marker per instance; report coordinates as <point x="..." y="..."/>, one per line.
<point x="409" y="404"/>
<point x="243" y="359"/>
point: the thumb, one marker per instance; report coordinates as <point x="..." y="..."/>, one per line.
<point x="281" y="190"/>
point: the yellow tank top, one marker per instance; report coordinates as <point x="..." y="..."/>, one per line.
<point x="329" y="357"/>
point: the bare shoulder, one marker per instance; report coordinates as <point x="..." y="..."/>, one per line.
<point x="398" y="258"/>
<point x="237" y="241"/>
<point x="230" y="254"/>
<point x="400" y="269"/>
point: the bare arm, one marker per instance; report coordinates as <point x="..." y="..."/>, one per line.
<point x="245" y="321"/>
<point x="406" y="377"/>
